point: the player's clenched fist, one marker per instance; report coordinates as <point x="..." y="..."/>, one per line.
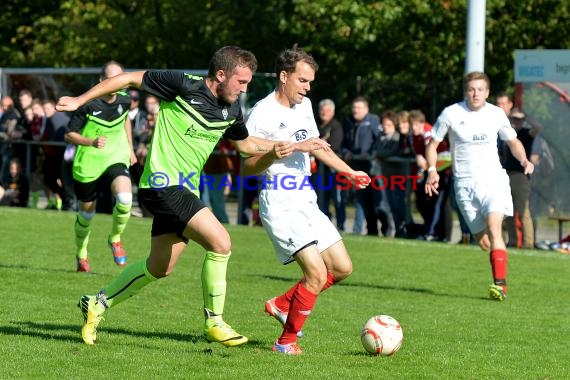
<point x="67" y="103"/>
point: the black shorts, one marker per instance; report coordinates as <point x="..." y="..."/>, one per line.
<point x="172" y="208"/>
<point x="89" y="191"/>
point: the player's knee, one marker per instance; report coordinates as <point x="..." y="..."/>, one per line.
<point x="222" y="246"/>
<point x="343" y="272"/>
<point x="315" y="281"/>
<point x="86" y="215"/>
<point x="158" y="272"/>
<point x="484" y="244"/>
<point x="125" y="199"/>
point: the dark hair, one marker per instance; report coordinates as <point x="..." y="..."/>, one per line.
<point x="25" y="92"/>
<point x="390" y="115"/>
<point x="287" y="60"/>
<point x="107" y="64"/>
<point x="504" y="94"/>
<point x="229" y="58"/>
<point x="360" y="99"/>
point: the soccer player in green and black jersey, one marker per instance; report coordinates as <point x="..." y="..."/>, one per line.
<point x="194" y="114"/>
<point x="102" y="132"/>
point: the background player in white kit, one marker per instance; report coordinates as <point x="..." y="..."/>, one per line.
<point x="481" y="184"/>
<point x="298" y="229"/>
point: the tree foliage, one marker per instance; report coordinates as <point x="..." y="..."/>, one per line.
<point x="400" y="54"/>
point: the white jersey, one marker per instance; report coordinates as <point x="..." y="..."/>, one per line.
<point x="273" y="121"/>
<point x="473" y="139"/>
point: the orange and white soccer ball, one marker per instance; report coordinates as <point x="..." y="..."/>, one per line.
<point x="382" y="335"/>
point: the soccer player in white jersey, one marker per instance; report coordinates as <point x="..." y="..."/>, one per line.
<point x="481" y="184"/>
<point x="291" y="217"/>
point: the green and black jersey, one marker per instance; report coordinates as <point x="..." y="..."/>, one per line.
<point x="190" y="123"/>
<point x="99" y="118"/>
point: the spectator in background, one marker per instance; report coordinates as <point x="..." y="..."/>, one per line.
<point x="31" y="124"/>
<point x="361" y="129"/>
<point x="520" y="184"/>
<point x="152" y="106"/>
<point x="59" y="121"/>
<point x="421" y="135"/>
<point x="138" y="118"/>
<point x="407" y="146"/>
<point x="543" y="161"/>
<point x="330" y="130"/>
<point x="388" y="151"/>
<point x="9" y="131"/>
<point x="16" y="191"/>
<point x="51" y="158"/>
<point x="403" y="125"/>
<point x="69" y="201"/>
<point x="504" y="101"/>
<point x="25" y="99"/>
<point x="435" y="211"/>
<point x="37" y="128"/>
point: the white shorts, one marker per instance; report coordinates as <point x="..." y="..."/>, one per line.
<point x="293" y="221"/>
<point x="476" y="199"/>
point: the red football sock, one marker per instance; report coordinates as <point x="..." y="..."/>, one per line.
<point x="331" y="280"/>
<point x="499" y="267"/>
<point x="284" y="300"/>
<point x="302" y="303"/>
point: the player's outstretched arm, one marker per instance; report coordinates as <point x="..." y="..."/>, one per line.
<point x="257" y="146"/>
<point x="330" y="159"/>
<point x="358" y="178"/>
<point x="108" y="86"/>
<point x="311" y="145"/>
<point x="518" y="151"/>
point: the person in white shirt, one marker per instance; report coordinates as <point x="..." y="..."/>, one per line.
<point x="298" y="229"/>
<point x="481" y="184"/>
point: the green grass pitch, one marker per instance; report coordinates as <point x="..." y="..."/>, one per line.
<point x="438" y="292"/>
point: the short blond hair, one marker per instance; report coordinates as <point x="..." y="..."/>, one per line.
<point x="476" y="75"/>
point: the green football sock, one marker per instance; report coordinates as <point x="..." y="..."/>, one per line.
<point x="121" y="215"/>
<point x="128" y="283"/>
<point x="214" y="282"/>
<point x="82" y="232"/>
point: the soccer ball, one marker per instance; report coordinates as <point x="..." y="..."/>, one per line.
<point x="382" y="335"/>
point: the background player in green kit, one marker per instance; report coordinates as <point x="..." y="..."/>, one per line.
<point x="102" y="132"/>
<point x="194" y="114"/>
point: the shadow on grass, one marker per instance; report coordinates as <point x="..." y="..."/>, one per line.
<point x="63" y="332"/>
<point x="358" y="285"/>
<point x="72" y="333"/>
<point x="44" y="269"/>
<point x="292" y="280"/>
